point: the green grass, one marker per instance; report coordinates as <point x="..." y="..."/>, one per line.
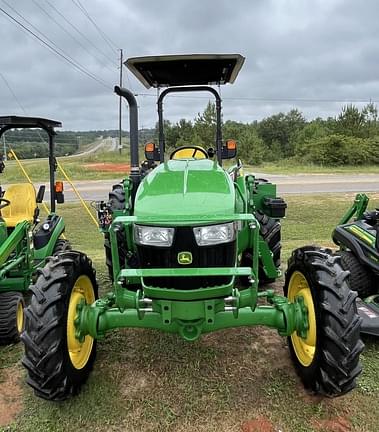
<point x="39" y="171"/>
<point x="144" y="380"/>
<point x="290" y="167"/>
<point x="76" y="168"/>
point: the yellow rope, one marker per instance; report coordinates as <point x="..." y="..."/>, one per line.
<point x="30" y="181"/>
<point x="78" y="194"/>
<point x="69" y="181"/>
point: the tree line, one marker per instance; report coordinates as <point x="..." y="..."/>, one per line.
<point x="351" y="138"/>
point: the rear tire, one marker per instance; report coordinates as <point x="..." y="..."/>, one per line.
<point x="117" y="197"/>
<point x="108" y="253"/>
<point x="11" y="317"/>
<point x="270" y="231"/>
<point x="116" y="202"/>
<point x="327" y="360"/>
<point x="56" y="362"/>
<point x="360" y="279"/>
<point x="61" y="246"/>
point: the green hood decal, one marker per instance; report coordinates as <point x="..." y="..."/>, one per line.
<point x="185" y="188"/>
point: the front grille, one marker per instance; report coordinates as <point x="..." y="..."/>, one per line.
<point x="222" y="255"/>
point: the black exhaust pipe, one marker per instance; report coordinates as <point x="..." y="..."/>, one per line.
<point x="135" y="176"/>
<point x="133" y="124"/>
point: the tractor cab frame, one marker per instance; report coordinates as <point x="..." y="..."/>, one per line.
<point x="25" y="243"/>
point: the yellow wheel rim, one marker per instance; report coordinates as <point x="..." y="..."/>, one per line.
<point x="79" y="351"/>
<point x="304" y="347"/>
<point x="20" y="317"/>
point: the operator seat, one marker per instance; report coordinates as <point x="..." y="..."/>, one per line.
<point x="22" y="206"/>
<point x="189" y="152"/>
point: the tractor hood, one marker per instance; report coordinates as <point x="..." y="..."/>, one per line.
<point x="185" y="188"/>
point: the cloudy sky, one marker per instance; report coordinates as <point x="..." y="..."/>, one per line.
<point x="314" y="56"/>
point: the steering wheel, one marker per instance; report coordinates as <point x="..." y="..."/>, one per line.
<point x="4" y="203"/>
<point x="189" y="152"/>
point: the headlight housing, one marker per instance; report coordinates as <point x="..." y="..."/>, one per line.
<point x="153" y="235"/>
<point x="215" y="234"/>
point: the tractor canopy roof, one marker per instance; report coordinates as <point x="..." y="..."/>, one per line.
<point x="28" y="122"/>
<point x="192" y="69"/>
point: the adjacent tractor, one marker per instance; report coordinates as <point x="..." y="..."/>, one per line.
<point x="187" y="244"/>
<point x="357" y="236"/>
<point x="25" y="241"/>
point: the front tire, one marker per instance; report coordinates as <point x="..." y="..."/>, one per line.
<point x="11" y="317"/>
<point x="57" y="363"/>
<point x="327" y="359"/>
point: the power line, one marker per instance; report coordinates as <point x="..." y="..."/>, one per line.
<point x="67" y="32"/>
<point x="22" y="108"/>
<point x="12" y="93"/>
<point x="61" y="52"/>
<point x="267" y="99"/>
<point x="80" y="33"/>
<point x="108" y="41"/>
<point x="50" y="46"/>
<point x="104" y="36"/>
<point x="38" y="132"/>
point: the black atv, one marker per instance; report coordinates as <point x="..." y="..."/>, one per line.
<point x="357" y="236"/>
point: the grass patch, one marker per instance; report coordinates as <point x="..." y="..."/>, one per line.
<point x="38" y="171"/>
<point x="151" y="381"/>
<point x="290" y="167"/>
<point x="76" y="168"/>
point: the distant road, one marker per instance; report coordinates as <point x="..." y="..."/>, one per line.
<point x="287" y="184"/>
<point x="105" y="144"/>
<point x="324" y="183"/>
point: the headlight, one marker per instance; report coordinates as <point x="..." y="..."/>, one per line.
<point x="153" y="236"/>
<point x="215" y="234"/>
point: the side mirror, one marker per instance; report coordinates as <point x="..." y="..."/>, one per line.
<point x="151" y="152"/>
<point x="229" y="150"/>
<point x="40" y="194"/>
<point x="59" y="196"/>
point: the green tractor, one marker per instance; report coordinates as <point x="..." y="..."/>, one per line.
<point x="358" y="240"/>
<point x="25" y="241"/>
<point x="187" y="243"/>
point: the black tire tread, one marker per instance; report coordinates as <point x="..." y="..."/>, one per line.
<point x="50" y="374"/>
<point x="270" y="231"/>
<point x="116" y="202"/>
<point x="336" y="365"/>
<point x="360" y="279"/>
<point x="8" y="316"/>
<point x="117" y="197"/>
<point x="62" y="245"/>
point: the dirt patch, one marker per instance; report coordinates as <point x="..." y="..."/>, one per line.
<point x="10" y="395"/>
<point x="109" y="167"/>
<point x="135" y="386"/>
<point x="337" y="424"/>
<point x="260" y="424"/>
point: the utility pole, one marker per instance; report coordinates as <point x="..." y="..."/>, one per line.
<point x="120" y="108"/>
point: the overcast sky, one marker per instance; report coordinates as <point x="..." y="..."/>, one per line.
<point x="321" y="53"/>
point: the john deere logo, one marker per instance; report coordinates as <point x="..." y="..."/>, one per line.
<point x="185" y="258"/>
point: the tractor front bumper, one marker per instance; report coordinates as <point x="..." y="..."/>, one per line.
<point x="191" y="318"/>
